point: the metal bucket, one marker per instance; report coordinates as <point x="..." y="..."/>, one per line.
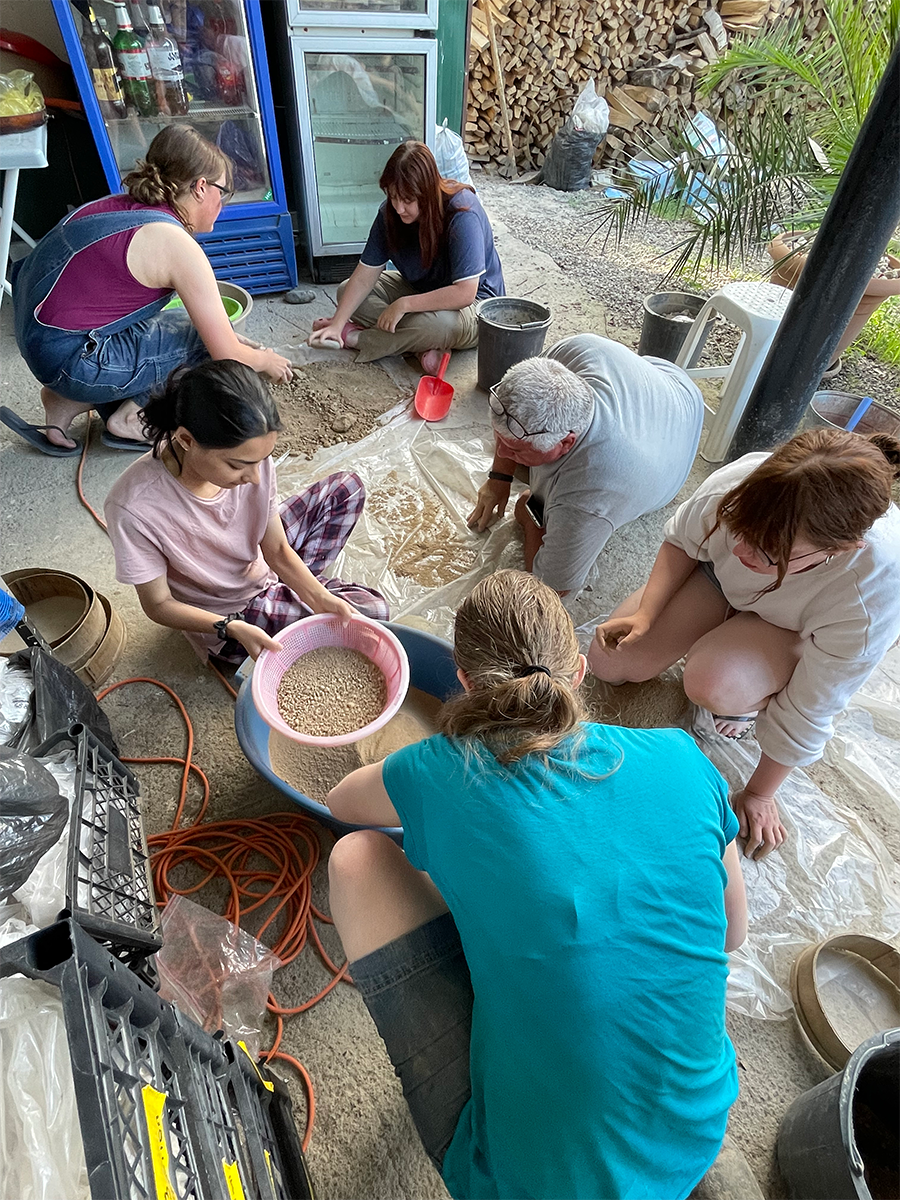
<point x="662" y="334"/>
<point x="509" y="331"/>
<point x="832" y="410"/>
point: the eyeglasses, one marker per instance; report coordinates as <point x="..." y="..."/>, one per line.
<point x="226" y="193"/>
<point x="515" y="426"/>
<point x="797" y="558"/>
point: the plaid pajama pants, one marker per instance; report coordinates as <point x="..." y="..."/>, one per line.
<point x="317" y="522"/>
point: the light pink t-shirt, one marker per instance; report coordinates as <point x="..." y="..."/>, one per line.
<point x="208" y="550"/>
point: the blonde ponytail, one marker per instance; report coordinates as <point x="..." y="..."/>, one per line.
<point x="516" y="644"/>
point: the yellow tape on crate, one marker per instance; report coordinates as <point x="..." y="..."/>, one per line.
<point x="232" y="1175"/>
<point x="154" y="1110"/>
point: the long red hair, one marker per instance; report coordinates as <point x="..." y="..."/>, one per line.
<point x="411" y="174"/>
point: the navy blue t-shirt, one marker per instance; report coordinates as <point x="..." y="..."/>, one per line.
<point x="468" y="250"/>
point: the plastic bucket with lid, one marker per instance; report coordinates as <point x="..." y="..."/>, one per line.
<point x="509" y="331"/>
<point x="668" y="317"/>
<point x="832" y="410"/>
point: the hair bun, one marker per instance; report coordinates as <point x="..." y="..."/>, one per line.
<point x="890" y="448"/>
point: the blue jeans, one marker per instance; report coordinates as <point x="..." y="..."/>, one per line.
<point x="123" y="360"/>
<point x="418" y="993"/>
<point x="127" y="365"/>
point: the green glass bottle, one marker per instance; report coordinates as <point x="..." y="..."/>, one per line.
<point x="134" y="66"/>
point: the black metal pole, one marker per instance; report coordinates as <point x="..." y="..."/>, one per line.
<point x="861" y="219"/>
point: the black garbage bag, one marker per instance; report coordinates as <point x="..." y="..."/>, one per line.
<point x="567" y="166"/>
<point x="60" y="700"/>
<point x="32" y="816"/>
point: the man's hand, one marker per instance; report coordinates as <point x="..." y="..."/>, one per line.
<point x="522" y="515"/>
<point x="252" y="638"/>
<point x="493" y="497"/>
<point x="621" y="631"/>
<point x="760" y="823"/>
<point x="328" y="333"/>
<point x="389" y="318"/>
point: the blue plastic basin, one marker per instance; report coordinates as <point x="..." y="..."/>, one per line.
<point x="431" y="670"/>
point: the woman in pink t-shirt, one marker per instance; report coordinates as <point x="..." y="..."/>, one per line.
<point x="197" y="529"/>
<point x="89" y="301"/>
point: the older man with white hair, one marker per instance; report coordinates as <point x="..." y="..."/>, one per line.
<point x="607" y="436"/>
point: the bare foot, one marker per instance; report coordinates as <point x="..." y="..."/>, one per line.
<point x="431" y="361"/>
<point x="734" y="727"/>
<point x="125" y="423"/>
<point x="321" y="323"/>
<point x="60" y="412"/>
<point x="350" y="337"/>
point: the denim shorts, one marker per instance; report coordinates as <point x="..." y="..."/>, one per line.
<point x="128" y="365"/>
<point x="418" y="993"/>
<point x="709" y="572"/>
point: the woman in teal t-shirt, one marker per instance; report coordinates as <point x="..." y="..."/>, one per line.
<point x="546" y="962"/>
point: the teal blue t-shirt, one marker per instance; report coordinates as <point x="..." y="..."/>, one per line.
<point x="592" y="917"/>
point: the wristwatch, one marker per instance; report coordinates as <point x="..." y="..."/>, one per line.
<point x="500" y="476"/>
<point x="221" y="627"/>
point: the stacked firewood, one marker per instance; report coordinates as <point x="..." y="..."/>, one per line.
<point x="529" y="59"/>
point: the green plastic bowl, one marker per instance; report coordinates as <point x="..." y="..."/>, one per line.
<point x="233" y="307"/>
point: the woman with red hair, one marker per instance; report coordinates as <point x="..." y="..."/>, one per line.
<point x="439" y="240"/>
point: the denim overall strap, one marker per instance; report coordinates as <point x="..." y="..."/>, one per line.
<point x="44" y="265"/>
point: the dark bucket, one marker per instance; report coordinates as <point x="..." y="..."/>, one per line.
<point x="832" y="410"/>
<point x="838" y="1141"/>
<point x="509" y="331"/>
<point x="663" y="335"/>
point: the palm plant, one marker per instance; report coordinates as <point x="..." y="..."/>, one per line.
<point x="779" y="167"/>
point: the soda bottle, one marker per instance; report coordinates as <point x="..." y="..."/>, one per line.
<point x="229" y="76"/>
<point x="165" y="64"/>
<point x="102" y="65"/>
<point x="134" y="65"/>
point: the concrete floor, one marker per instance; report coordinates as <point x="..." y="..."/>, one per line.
<point x="364" y="1144"/>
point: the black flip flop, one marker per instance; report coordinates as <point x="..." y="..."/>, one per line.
<point x="34" y="436"/>
<point x="741" y="720"/>
<point x="118" y="443"/>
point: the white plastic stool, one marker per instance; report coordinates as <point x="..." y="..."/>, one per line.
<point x="757" y="309"/>
<point x="18" y="152"/>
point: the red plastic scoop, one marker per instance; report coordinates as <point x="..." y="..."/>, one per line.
<point x="433" y="396"/>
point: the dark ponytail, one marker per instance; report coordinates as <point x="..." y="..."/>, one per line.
<point x="221" y="403"/>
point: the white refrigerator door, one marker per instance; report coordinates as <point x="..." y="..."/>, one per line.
<point x="358" y="99"/>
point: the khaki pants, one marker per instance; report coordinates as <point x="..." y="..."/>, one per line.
<point x="450" y="329"/>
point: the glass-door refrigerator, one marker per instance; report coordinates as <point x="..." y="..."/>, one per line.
<point x="202" y="62"/>
<point x="364" y="76"/>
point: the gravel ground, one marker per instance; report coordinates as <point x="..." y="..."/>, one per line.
<point x="560" y="224"/>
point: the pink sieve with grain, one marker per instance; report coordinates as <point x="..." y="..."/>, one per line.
<point x="361" y="634"/>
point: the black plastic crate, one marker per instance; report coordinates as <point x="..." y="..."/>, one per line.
<point x="165" y="1109"/>
<point x="109" y="885"/>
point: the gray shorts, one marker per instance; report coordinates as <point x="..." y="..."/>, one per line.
<point x="418" y="993"/>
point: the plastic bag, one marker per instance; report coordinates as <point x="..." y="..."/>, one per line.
<point x="32" y="816"/>
<point x="16" y="690"/>
<point x="43" y="894"/>
<point x="450" y="154"/>
<point x="19" y="94"/>
<point x="43" y="1151"/>
<point x="244" y="153"/>
<point x="214" y="972"/>
<point x="591" y="112"/>
<point x="60" y="701"/>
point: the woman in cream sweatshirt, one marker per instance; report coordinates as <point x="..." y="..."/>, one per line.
<point x="779" y="582"/>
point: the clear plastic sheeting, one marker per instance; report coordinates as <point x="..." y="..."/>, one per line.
<point x="833" y="875"/>
<point x="43" y="893"/>
<point x="412" y="542"/>
<point x="41" y="1151"/>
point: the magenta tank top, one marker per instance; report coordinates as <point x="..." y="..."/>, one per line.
<point x="96" y="287"/>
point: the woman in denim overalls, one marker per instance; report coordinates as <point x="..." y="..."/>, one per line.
<point x="178" y="190"/>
